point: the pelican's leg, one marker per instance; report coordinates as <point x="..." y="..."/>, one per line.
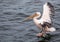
<point x="44" y="31"/>
<point x="40" y="27"/>
<point x="41" y="33"/>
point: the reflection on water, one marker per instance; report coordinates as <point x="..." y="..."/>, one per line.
<point x="12" y="12"/>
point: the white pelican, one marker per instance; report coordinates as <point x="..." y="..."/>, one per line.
<point x="44" y="22"/>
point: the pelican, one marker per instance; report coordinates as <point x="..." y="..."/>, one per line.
<point x="44" y="22"/>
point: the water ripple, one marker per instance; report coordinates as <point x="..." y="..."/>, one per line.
<point x="12" y="12"/>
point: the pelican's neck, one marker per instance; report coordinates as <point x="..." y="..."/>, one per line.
<point x="35" y="19"/>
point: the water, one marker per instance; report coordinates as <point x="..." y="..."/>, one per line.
<point x="12" y="12"/>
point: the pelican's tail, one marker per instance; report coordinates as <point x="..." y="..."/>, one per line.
<point x="52" y="29"/>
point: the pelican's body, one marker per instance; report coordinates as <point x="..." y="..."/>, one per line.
<point x="45" y="21"/>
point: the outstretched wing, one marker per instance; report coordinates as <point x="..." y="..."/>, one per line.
<point x="48" y="8"/>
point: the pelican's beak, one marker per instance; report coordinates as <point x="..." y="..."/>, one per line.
<point x="30" y="17"/>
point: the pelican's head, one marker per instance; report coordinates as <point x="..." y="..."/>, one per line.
<point x="35" y="15"/>
<point x="48" y="7"/>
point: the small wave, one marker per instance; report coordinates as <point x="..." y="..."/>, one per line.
<point x="22" y="15"/>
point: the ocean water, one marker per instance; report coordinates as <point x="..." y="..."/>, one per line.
<point x="12" y="12"/>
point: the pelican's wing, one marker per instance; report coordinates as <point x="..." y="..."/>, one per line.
<point x="48" y="8"/>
